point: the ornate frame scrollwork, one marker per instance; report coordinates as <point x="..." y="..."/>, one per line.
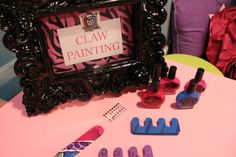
<point x="41" y="92"/>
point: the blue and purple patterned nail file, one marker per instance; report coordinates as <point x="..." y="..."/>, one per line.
<point x="160" y="129"/>
<point x="74" y="148"/>
<point x="132" y="152"/>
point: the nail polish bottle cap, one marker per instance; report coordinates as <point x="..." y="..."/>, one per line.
<point x="149" y="83"/>
<point x="172" y="72"/>
<point x="155" y="86"/>
<point x="156" y="72"/>
<point x="199" y="74"/>
<point x="155" y="78"/>
<point x="191" y="86"/>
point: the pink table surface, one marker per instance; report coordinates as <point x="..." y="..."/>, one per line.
<point x="208" y="130"/>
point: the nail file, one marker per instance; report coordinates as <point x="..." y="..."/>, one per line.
<point x="74" y="148"/>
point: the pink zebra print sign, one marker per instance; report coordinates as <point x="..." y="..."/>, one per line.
<point x="120" y="49"/>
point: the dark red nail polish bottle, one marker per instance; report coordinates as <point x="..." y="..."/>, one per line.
<point x="153" y="97"/>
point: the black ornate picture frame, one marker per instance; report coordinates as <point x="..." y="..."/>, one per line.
<point x="31" y="34"/>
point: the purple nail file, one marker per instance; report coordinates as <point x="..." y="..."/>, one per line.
<point x="133" y="152"/>
<point x="147" y="151"/>
<point x="103" y="153"/>
<point x="118" y="152"/>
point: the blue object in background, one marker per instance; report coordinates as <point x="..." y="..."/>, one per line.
<point x="9" y="82"/>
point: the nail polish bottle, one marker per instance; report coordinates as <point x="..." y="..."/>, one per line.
<point x="171" y="83"/>
<point x="201" y="84"/>
<point x="189" y="97"/>
<point x="153" y="97"/>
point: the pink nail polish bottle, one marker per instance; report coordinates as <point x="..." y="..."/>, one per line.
<point x="153" y="97"/>
<point x="201" y="84"/>
<point x="171" y="83"/>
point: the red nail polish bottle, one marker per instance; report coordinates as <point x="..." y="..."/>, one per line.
<point x="201" y="84"/>
<point x="153" y="97"/>
<point x="171" y="83"/>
